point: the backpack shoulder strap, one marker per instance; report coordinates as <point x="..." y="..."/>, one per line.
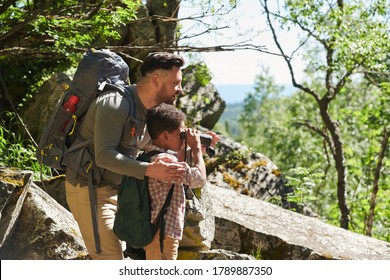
<point x="153" y="153"/>
<point x="129" y="95"/>
<point x="160" y="221"/>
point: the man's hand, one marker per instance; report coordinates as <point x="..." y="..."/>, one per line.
<point x="166" y="168"/>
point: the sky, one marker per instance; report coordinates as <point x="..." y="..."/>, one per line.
<point x="242" y="66"/>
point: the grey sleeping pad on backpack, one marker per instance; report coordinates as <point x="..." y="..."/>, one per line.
<point x="60" y="145"/>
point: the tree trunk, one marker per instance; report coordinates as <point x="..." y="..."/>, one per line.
<point x="165" y="29"/>
<point x="338" y="156"/>
<point x="158" y="29"/>
<point x="375" y="188"/>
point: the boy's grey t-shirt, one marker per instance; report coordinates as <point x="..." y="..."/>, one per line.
<point x="116" y="140"/>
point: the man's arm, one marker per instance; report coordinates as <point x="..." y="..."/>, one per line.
<point x="111" y="115"/>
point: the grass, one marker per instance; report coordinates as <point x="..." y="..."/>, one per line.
<point x="17" y="152"/>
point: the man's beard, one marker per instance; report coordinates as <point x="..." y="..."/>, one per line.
<point x="163" y="97"/>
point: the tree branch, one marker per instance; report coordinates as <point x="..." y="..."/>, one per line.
<point x="318" y="131"/>
<point x="23" y="53"/>
<point x="219" y="48"/>
<point x="286" y="58"/>
<point x="6" y="5"/>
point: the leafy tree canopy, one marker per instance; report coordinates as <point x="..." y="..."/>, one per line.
<point x="39" y="37"/>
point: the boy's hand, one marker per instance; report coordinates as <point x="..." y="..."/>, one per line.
<point x="215" y="138"/>
<point x="193" y="138"/>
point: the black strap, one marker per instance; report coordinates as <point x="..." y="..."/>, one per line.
<point x="153" y="153"/>
<point x="92" y="202"/>
<point x="160" y="221"/>
<point x="187" y="190"/>
<point x="163" y="211"/>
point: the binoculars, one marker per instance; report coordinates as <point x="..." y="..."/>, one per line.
<point x="205" y="140"/>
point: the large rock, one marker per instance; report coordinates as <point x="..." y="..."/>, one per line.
<point x="13" y="191"/>
<point x="55" y="187"/>
<point x="44" y="230"/>
<point x="216" y="254"/>
<point x="199" y="222"/>
<point x="251" y="226"/>
<point x="244" y="226"/>
<point x="201" y="103"/>
<point x="139" y="33"/>
<point x="40" y="109"/>
<point x="236" y="167"/>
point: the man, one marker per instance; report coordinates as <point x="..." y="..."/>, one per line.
<point x="117" y="138"/>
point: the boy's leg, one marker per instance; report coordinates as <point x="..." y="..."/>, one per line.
<point x="152" y="250"/>
<point x="106" y="201"/>
<point x="170" y="248"/>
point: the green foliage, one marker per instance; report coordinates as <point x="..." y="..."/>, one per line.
<point x="202" y="74"/>
<point x="15" y="150"/>
<point x="67" y="24"/>
<point x="356" y="31"/>
<point x="41" y="37"/>
<point x="236" y="157"/>
<point x="256" y="253"/>
<point x="341" y="40"/>
<point x="269" y="123"/>
<point x="367" y="125"/>
<point x="304" y="182"/>
<point x="275" y="125"/>
<point x="199" y="69"/>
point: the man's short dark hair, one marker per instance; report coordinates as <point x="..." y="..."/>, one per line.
<point x="163" y="117"/>
<point x="161" y="60"/>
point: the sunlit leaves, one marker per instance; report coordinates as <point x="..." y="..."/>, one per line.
<point x="270" y="125"/>
<point x="15" y="151"/>
<point x="357" y="32"/>
<point x="65" y="24"/>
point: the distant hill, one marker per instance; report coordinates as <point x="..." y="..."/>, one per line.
<point x="234" y="96"/>
<point x="236" y="93"/>
<point x="230" y="117"/>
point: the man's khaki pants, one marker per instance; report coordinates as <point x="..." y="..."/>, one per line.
<point x="106" y="203"/>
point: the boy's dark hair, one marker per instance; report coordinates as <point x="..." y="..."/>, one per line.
<point x="163" y="117"/>
<point x="161" y="60"/>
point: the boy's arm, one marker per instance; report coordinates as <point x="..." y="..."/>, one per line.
<point x="193" y="140"/>
<point x="193" y="178"/>
<point x="198" y="160"/>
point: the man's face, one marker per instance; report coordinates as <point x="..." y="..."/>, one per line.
<point x="171" y="86"/>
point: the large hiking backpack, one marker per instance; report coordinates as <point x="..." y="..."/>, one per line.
<point x="60" y="146"/>
<point x="97" y="71"/>
<point x="132" y="222"/>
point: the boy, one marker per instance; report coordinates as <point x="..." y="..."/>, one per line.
<point x="165" y="124"/>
